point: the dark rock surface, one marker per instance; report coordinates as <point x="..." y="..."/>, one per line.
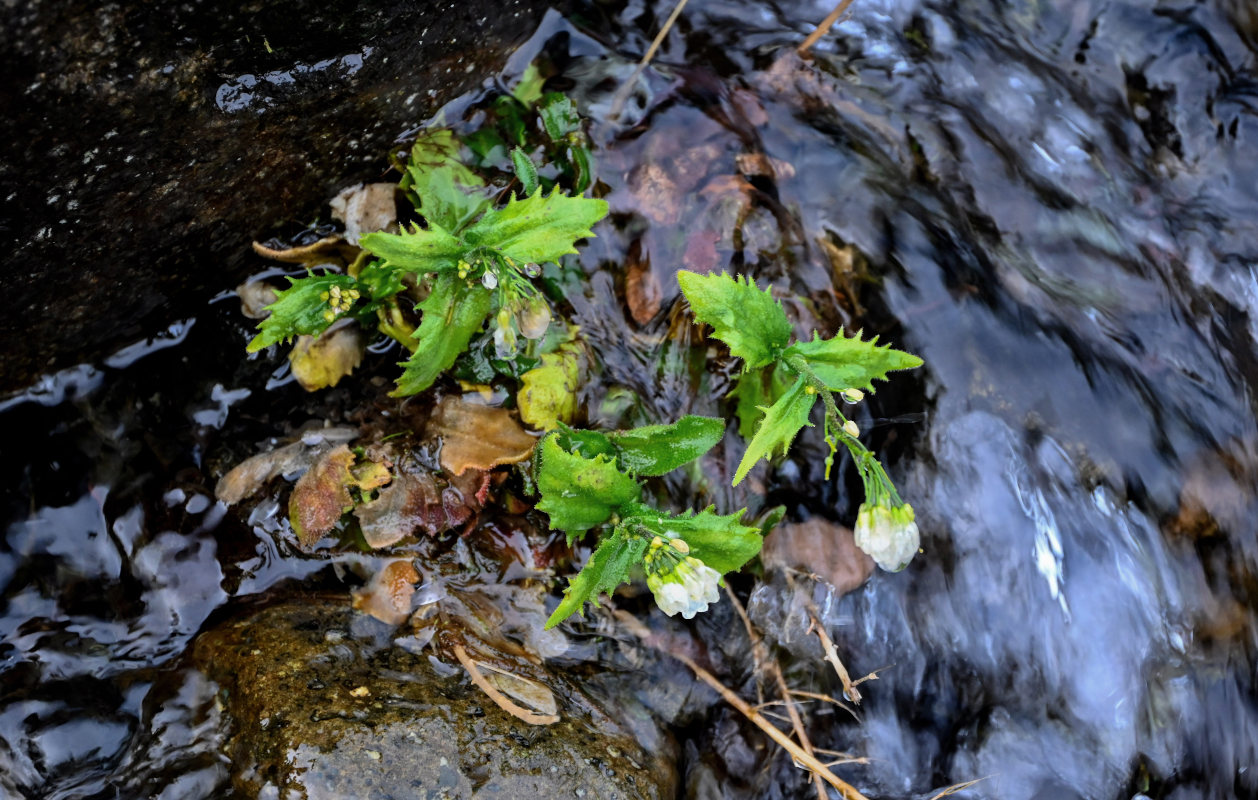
<point x="148" y="142"/>
<point x="321" y="708"/>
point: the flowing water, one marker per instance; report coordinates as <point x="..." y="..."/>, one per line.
<point x="1054" y="204"/>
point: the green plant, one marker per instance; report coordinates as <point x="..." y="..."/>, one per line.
<point x="474" y="260"/>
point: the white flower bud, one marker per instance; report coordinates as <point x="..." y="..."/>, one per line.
<point x="853" y="395"/>
<point x="533" y="318"/>
<point x="689" y="588"/>
<point x="851" y="429"/>
<point x="888" y="535"/>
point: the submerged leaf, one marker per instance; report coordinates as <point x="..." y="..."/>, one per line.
<point x="657" y="449"/>
<point x="478" y="437"/>
<point x="609" y="567"/>
<point x="387" y="596"/>
<point x="538" y="228"/>
<point x="559" y="116"/>
<point x="453" y="312"/>
<point x="850" y="363"/>
<point x="721" y="542"/>
<point x="250" y="475"/>
<point x="321" y="496"/>
<point x="750" y="322"/>
<point x="579" y="493"/>
<point x="781" y="422"/>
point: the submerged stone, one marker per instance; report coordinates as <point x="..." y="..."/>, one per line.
<point x="319" y="709"/>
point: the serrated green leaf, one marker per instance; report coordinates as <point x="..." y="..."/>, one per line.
<point x="445" y="200"/>
<point x="609" y="567"/>
<point x="418" y="250"/>
<point x="380" y="282"/>
<point x="583" y="442"/>
<point x="525" y="170"/>
<point x="537" y="229"/>
<point x="781" y="422"/>
<point x="559" y="116"/>
<point x="528" y="90"/>
<point x="299" y="309"/>
<point x="453" y="312"/>
<point x="657" y="449"/>
<point x="436" y="148"/>
<point x="750" y="322"/>
<point x="723" y="543"/>
<point x="850" y="363"/>
<point x="579" y="493"/>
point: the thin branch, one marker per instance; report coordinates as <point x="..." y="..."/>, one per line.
<point x="623" y="92"/>
<point x="828" y="699"/>
<point x="824" y="27"/>
<point x="846" y="790"/>
<point x="957" y="787"/>
<point x="827" y="645"/>
<point x="519" y="712"/>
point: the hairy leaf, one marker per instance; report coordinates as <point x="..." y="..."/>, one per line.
<point x="525" y="170"/>
<point x="418" y="250"/>
<point x="579" y="493"/>
<point x="537" y="229"/>
<point x="723" y="543"/>
<point x="446" y="201"/>
<point x="609" y="567"/>
<point x="657" y="449"/>
<point x="750" y="322"/>
<point x="585" y="443"/>
<point x="850" y="363"/>
<point x="559" y="116"/>
<point x="453" y="312"/>
<point x="298" y="309"/>
<point x="781" y="422"/>
<point x="379" y="281"/>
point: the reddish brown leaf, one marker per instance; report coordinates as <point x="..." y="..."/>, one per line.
<point x="821" y="547"/>
<point x="643" y="292"/>
<point x="387" y="596"/>
<point x="321" y="496"/>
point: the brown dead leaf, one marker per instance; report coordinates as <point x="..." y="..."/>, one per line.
<point x="478" y="437"/>
<point x="387" y="596"/>
<point x="365" y="208"/>
<point x="535" y="696"/>
<point x="658" y="197"/>
<point x="759" y="164"/>
<point x="821" y="547"/>
<point x="327" y="246"/>
<point x="255" y="296"/>
<point x="253" y="473"/>
<point x="321" y="362"/>
<point x="321" y="496"/>
<point x="419" y="501"/>
<point x="643" y="292"/>
<point x="701" y="255"/>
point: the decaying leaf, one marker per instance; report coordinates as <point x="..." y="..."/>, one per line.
<point x="533" y="695"/>
<point x="387" y="596"/>
<point x="325" y="247"/>
<point x="419" y="501"/>
<point x="658" y="197"/>
<point x="643" y="292"/>
<point x="255" y="296"/>
<point x="321" y="496"/>
<point x="759" y="164"/>
<point x="321" y="362"/>
<point x="478" y="437"/>
<point x="253" y="473"/>
<point x="365" y="208"/>
<point x="818" y="546"/>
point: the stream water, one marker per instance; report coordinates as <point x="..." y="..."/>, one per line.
<point x="1051" y="203"/>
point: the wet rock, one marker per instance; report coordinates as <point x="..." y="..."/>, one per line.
<point x="321" y="709"/>
<point x="148" y="144"/>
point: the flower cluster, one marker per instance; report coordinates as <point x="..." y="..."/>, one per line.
<point x="888" y="534"/>
<point x="679" y="581"/>
<point x="339" y="301"/>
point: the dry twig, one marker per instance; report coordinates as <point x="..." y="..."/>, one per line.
<point x="505" y="703"/>
<point x="846" y="790"/>
<point x="826" y="25"/>
<point x="623" y="92"/>
<point x="827" y="645"/>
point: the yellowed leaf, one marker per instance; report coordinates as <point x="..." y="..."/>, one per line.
<point x="321" y="362"/>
